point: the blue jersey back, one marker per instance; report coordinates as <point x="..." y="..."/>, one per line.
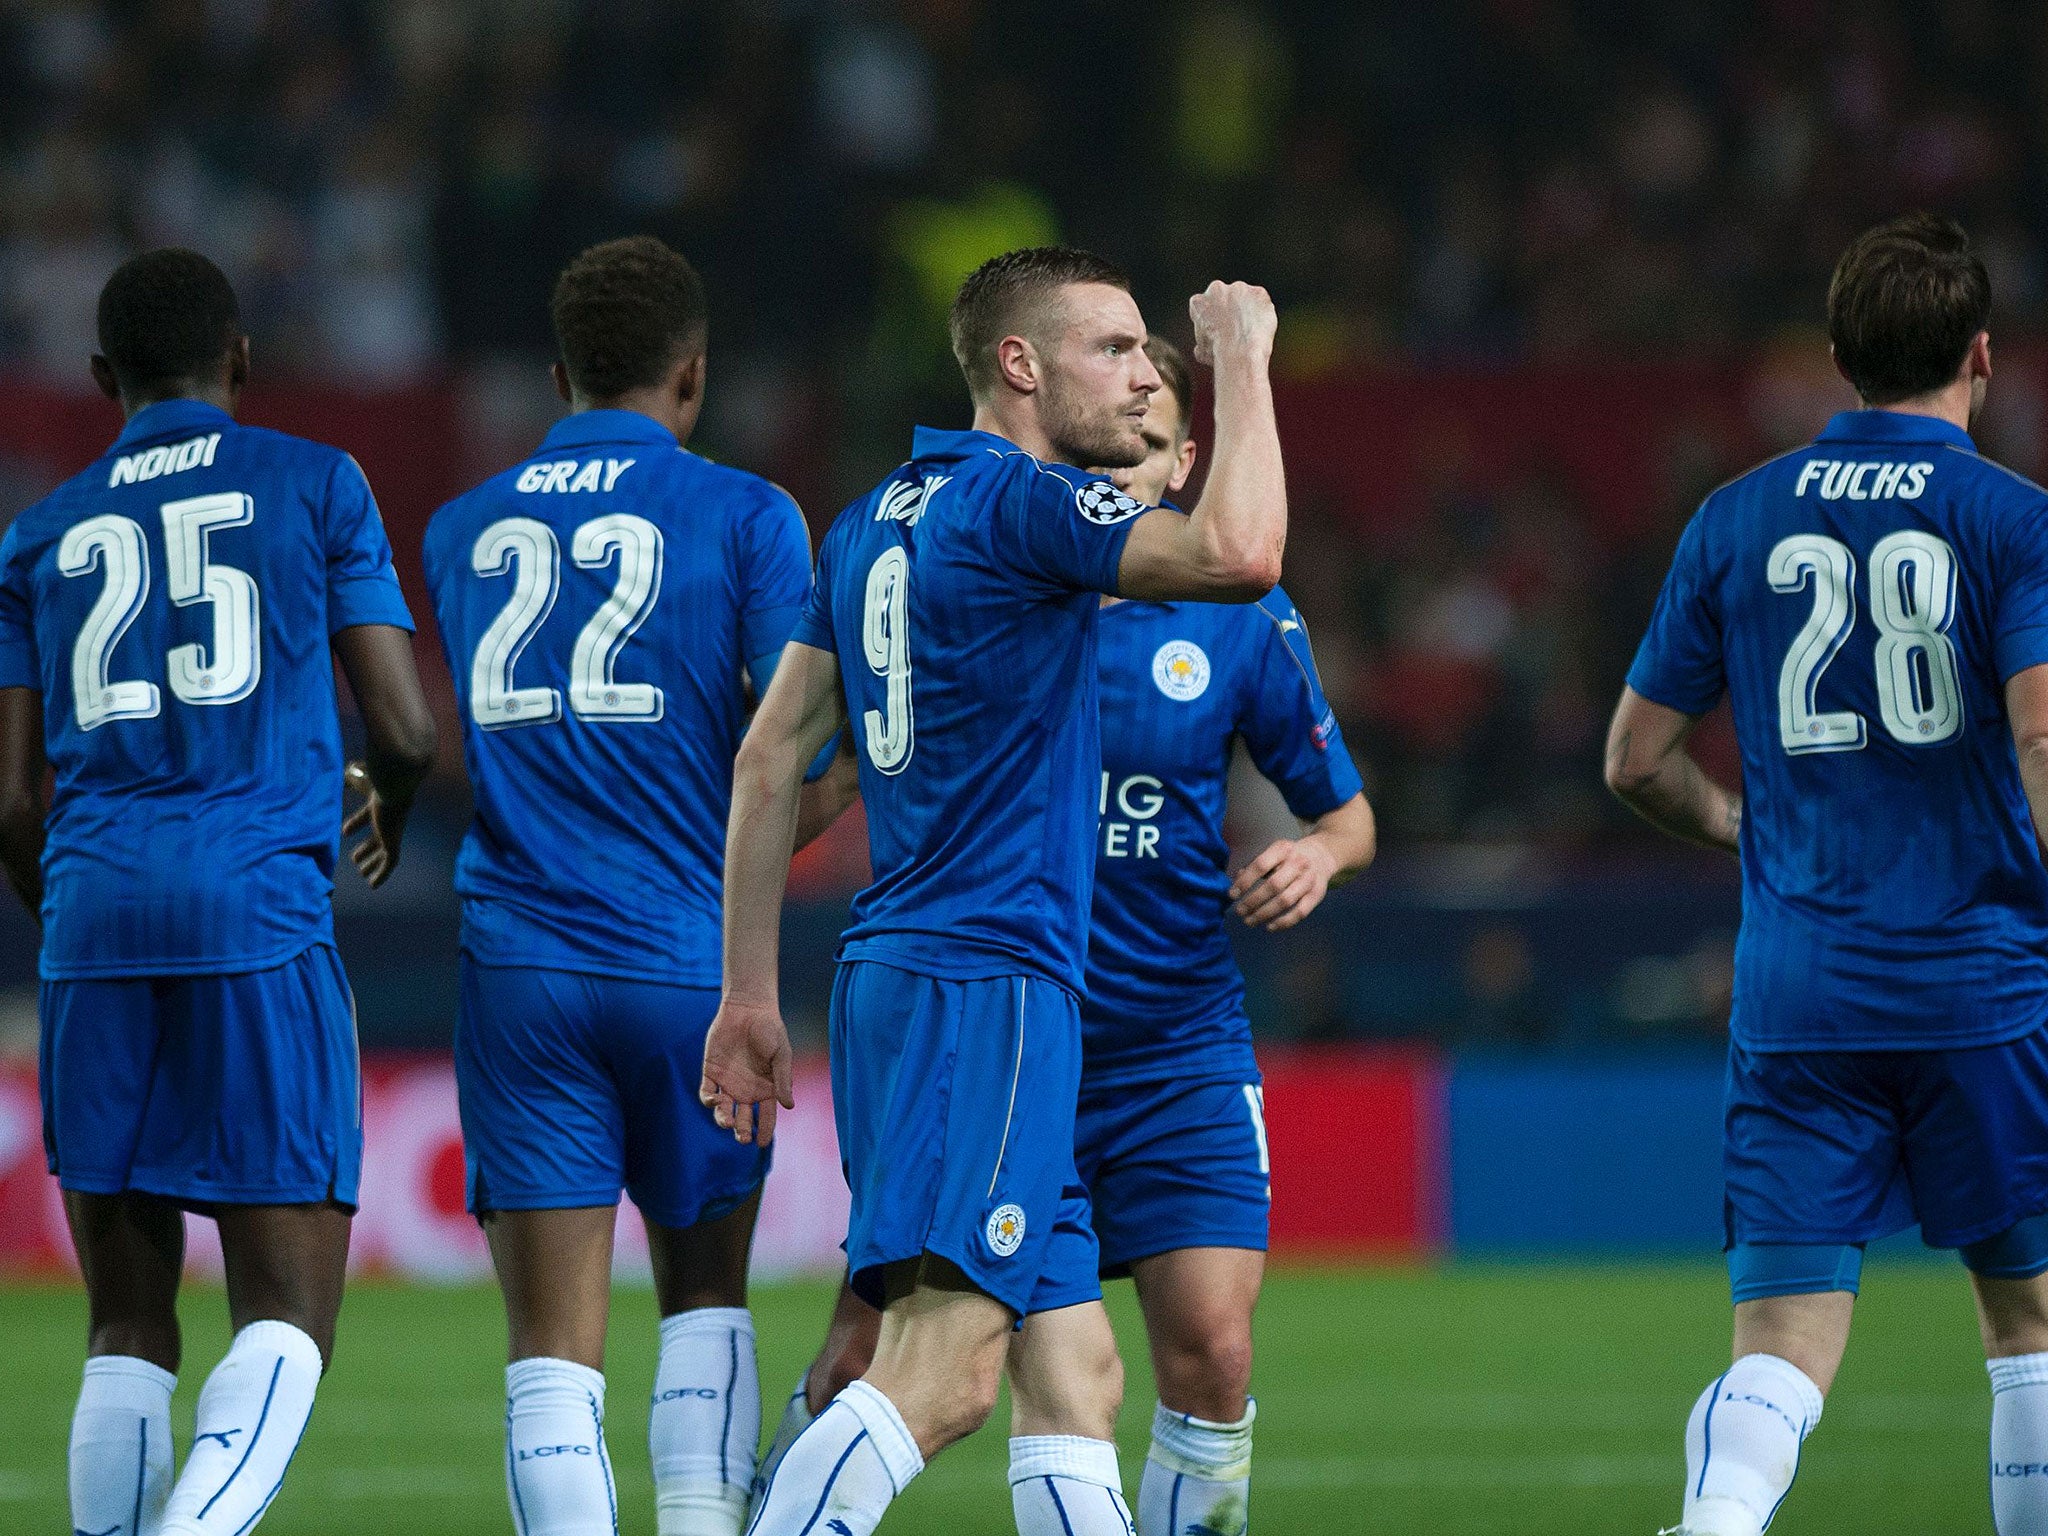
<point x="960" y="597"/>
<point x="1863" y="602"/>
<point x="174" y="603"/>
<point x="597" y="605"/>
<point x="1181" y="682"/>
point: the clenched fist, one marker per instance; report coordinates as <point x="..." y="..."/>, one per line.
<point x="1231" y="319"/>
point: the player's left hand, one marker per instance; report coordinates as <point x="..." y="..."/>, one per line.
<point x="1284" y="884"/>
<point x="746" y="1070"/>
<point x="376" y="855"/>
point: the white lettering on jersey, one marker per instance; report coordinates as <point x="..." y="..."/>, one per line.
<point x="564" y="475"/>
<point x="1864" y="480"/>
<point x="1140" y="797"/>
<point x="163" y="460"/>
<point x="906" y="503"/>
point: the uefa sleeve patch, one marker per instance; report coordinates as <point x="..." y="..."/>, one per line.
<point x="1103" y="504"/>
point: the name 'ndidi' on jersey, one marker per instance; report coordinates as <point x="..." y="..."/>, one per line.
<point x="173" y="603"/>
<point x="1863" y="602"/>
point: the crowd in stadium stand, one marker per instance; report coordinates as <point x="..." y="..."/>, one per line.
<point x="392" y="186"/>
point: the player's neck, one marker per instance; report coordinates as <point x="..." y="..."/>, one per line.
<point x="657" y="405"/>
<point x="222" y="397"/>
<point x="1017" y="424"/>
<point x="1950" y="404"/>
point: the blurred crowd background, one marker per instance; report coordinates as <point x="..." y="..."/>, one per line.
<point x="1547" y="270"/>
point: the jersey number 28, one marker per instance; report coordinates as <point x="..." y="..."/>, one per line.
<point x="1912" y="598"/>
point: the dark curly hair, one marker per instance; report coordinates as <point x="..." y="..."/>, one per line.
<point x="624" y="311"/>
<point x="166" y="316"/>
<point x="1002" y="297"/>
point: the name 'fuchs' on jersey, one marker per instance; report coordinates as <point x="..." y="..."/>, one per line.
<point x="1871" y="594"/>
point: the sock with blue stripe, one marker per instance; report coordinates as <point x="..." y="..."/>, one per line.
<point x="1198" y="1476"/>
<point x="252" y="1411"/>
<point x="121" y="1447"/>
<point x="2019" y="1445"/>
<point x="843" y="1471"/>
<point x="1742" y="1445"/>
<point x="705" y="1422"/>
<point x="558" y="1473"/>
<point x="796" y="1418"/>
<point x="1066" y="1485"/>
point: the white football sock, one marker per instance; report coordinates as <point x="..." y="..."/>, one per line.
<point x="558" y="1473"/>
<point x="705" y="1422"/>
<point x="843" y="1471"/>
<point x="121" y="1447"/>
<point x="1198" y="1473"/>
<point x="1742" y="1445"/>
<point x="796" y="1418"/>
<point x="1067" y="1485"/>
<point x="2019" y="1445"/>
<point x="252" y="1411"/>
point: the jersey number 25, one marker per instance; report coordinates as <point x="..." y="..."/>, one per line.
<point x="1912" y="598"/>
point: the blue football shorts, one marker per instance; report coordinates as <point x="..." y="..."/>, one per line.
<point x="955" y="1106"/>
<point x="1171" y="1165"/>
<point x="575" y="1086"/>
<point x="1845" y="1147"/>
<point x="238" y="1089"/>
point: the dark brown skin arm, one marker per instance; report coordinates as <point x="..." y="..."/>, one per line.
<point x="399" y="728"/>
<point x="1650" y="770"/>
<point x="22" y="771"/>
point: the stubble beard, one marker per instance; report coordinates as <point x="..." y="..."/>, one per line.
<point x="1100" y="437"/>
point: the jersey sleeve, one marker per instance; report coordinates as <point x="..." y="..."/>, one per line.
<point x="774" y="556"/>
<point x="1679" y="663"/>
<point x="362" y="587"/>
<point x="2019" y="637"/>
<point x="1287" y="724"/>
<point x="18" y="667"/>
<point x="1064" y="527"/>
<point x="814" y="623"/>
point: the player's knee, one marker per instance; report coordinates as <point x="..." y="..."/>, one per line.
<point x="964" y="1406"/>
<point x="1208" y="1372"/>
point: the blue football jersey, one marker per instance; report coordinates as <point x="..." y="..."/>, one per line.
<point x="1863" y="602"/>
<point x="1181" y="682"/>
<point x="174" y="603"/>
<point x="597" y="605"/>
<point x="960" y="597"/>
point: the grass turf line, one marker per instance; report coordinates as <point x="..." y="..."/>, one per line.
<point x="1468" y="1401"/>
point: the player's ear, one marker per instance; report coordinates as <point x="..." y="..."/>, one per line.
<point x="1977" y="364"/>
<point x="103" y="375"/>
<point x="238" y="365"/>
<point x="561" y="377"/>
<point x="689" y="379"/>
<point x="1017" y="364"/>
<point x="1183" y="466"/>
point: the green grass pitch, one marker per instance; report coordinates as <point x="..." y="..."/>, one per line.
<point x="1517" y="1400"/>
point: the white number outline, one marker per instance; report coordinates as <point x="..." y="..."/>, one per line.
<point x="524" y="548"/>
<point x="115" y="545"/>
<point x="885" y="637"/>
<point x="1930" y="565"/>
<point x="1828" y="564"/>
<point x="235" y="666"/>
<point x="593" y="691"/>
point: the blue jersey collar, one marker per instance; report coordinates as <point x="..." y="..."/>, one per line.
<point x="585" y="429"/>
<point x="173" y="418"/>
<point x="1893" y="427"/>
<point x="938" y="443"/>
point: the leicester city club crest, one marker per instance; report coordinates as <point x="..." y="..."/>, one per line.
<point x="1181" y="669"/>
<point x="1006" y="1230"/>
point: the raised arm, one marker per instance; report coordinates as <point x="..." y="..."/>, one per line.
<point x="1229" y="548"/>
<point x="1654" y="776"/>
<point x="746" y="1053"/>
<point x="399" y="728"/>
<point x="22" y="769"/>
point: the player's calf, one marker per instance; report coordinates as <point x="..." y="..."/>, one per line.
<point x="1066" y="1387"/>
<point x="2010" y="1274"/>
<point x="1198" y="1306"/>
